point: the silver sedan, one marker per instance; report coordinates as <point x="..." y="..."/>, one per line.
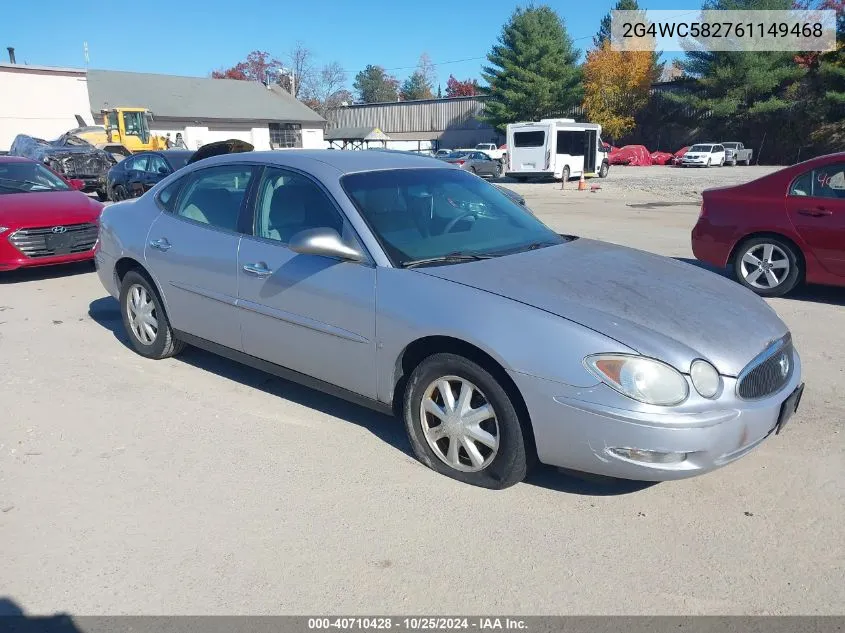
<point x="410" y="286"/>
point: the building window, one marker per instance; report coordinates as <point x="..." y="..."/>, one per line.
<point x="286" y="134"/>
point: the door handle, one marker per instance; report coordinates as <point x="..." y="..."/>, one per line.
<point x="815" y="213"/>
<point x="161" y="244"/>
<point x="258" y="269"/>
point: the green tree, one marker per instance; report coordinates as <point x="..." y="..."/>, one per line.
<point x="416" y="87"/>
<point x="757" y="97"/>
<point x="533" y="71"/>
<point x="374" y="85"/>
<point x="604" y="34"/>
<point x="604" y="28"/>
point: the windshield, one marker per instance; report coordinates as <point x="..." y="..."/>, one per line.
<point x="29" y="177"/>
<point x="456" y="154"/>
<point x="730" y="145"/>
<point x="178" y="160"/>
<point x="701" y="148"/>
<point x="429" y="213"/>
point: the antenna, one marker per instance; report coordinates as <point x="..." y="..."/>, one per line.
<point x="85" y="52"/>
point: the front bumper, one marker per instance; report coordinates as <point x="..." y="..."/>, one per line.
<point x="575" y="428"/>
<point x="12" y="259"/>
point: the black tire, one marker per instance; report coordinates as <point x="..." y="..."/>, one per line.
<point x="510" y="464"/>
<point x="165" y="344"/>
<point x="564" y="176"/>
<point x="102" y="195"/>
<point x="792" y="279"/>
<point x="604" y="170"/>
<point x="120" y="193"/>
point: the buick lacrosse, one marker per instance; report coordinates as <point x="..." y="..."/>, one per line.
<point x="414" y="287"/>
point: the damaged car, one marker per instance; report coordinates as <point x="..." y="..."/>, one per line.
<point x="70" y="156"/>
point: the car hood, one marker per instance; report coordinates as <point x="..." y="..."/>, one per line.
<point x="658" y="306"/>
<point x="54" y="208"/>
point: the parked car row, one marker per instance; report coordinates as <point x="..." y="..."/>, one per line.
<point x="715" y="155"/>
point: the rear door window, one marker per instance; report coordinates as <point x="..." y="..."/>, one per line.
<point x="214" y="196"/>
<point x="529" y="139"/>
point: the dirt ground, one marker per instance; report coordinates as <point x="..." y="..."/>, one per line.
<point x="197" y="486"/>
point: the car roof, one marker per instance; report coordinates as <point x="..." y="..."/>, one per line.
<point x="344" y="161"/>
<point x="15" y="159"/>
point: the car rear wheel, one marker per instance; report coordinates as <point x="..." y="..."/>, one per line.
<point x="120" y="193"/>
<point x="145" y="320"/>
<point x="768" y="266"/>
<point x="462" y="423"/>
<point x="746" y="162"/>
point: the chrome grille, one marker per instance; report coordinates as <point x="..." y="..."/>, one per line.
<point x="44" y="242"/>
<point x="768" y="373"/>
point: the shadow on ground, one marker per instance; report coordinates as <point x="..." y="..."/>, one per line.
<point x="106" y="312"/>
<point x="14" y="620"/>
<point x="40" y="273"/>
<point x="817" y="294"/>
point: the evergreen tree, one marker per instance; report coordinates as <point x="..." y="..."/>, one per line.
<point x="749" y="94"/>
<point x="604" y="29"/>
<point x="374" y="85"/>
<point x="533" y="71"/>
<point x="416" y="87"/>
<point x="604" y="33"/>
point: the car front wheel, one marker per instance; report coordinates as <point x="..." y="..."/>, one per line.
<point x="462" y="423"/>
<point x="144" y="318"/>
<point x="768" y="266"/>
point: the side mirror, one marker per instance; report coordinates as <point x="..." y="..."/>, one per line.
<point x="76" y="184"/>
<point x="163" y="171"/>
<point x="325" y="242"/>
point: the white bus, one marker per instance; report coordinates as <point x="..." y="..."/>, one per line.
<point x="557" y="148"/>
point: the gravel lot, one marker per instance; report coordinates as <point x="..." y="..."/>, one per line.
<point x="195" y="485"/>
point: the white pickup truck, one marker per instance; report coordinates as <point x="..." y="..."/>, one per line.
<point x="736" y="153"/>
<point x="492" y="151"/>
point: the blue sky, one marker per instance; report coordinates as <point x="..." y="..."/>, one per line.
<point x="191" y="37"/>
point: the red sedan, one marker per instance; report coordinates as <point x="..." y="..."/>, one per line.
<point x="779" y="230"/>
<point x="44" y="219"/>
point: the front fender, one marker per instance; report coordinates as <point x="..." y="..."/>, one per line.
<point x="521" y="338"/>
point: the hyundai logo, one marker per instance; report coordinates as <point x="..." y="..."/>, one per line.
<point x="59" y="229"/>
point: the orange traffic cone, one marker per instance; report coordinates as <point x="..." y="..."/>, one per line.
<point x="582" y="184"/>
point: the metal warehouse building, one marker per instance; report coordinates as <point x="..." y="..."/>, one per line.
<point x="421" y="125"/>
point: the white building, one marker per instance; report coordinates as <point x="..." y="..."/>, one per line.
<point x="205" y="110"/>
<point x="40" y="101"/>
<point x="44" y="101"/>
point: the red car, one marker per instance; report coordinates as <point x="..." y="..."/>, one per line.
<point x="44" y="219"/>
<point x="779" y="230"/>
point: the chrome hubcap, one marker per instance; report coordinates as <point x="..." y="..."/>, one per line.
<point x="764" y="266"/>
<point x="142" y="314"/>
<point x="459" y="424"/>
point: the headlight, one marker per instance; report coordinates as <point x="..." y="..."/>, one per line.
<point x="705" y="378"/>
<point x="642" y="379"/>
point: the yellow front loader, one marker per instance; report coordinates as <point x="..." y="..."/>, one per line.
<point x="124" y="131"/>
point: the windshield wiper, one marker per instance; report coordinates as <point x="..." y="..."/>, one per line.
<point x="25" y="182"/>
<point x="449" y="258"/>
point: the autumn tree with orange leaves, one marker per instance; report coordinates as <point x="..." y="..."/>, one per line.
<point x="616" y="87"/>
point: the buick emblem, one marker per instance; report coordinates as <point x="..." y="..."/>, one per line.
<point x="58" y="229"/>
<point x="783" y="362"/>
